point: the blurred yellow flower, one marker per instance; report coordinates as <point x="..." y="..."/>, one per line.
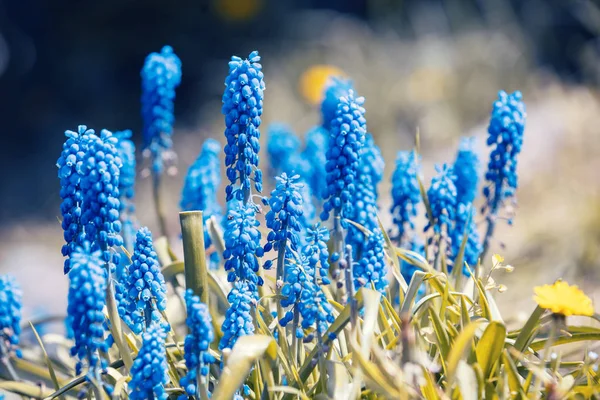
<point x="562" y="298"/>
<point x="238" y="10"/>
<point x="314" y="81"/>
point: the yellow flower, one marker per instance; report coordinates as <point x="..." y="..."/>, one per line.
<point x="562" y="298"/>
<point x="314" y="81"/>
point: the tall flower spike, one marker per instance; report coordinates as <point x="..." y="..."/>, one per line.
<point x="284" y="217"/>
<point x="406" y="195"/>
<point x="143" y="293"/>
<point x="238" y="318"/>
<point x="442" y="199"/>
<point x="466" y="170"/>
<point x="506" y="137"/>
<point x="100" y="209"/>
<point x="364" y="210"/>
<point x="347" y="136"/>
<point x="282" y="143"/>
<point x="161" y="75"/>
<point x="73" y="154"/>
<point x="242" y="246"/>
<point x="314" y="155"/>
<point x="197" y="342"/>
<point x="336" y="89"/>
<point x="242" y="108"/>
<point x="10" y="312"/>
<point x="126" y="152"/>
<point x="149" y="372"/>
<point x="87" y="298"/>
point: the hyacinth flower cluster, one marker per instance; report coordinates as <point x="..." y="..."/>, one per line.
<point x="126" y="152"/>
<point x="466" y="174"/>
<point x="283" y="147"/>
<point x="197" y="342"/>
<point x="10" y="313"/>
<point x="442" y="200"/>
<point x="406" y="195"/>
<point x="161" y="74"/>
<point x="149" y="372"/>
<point x="89" y="171"/>
<point x="336" y="89"/>
<point x="242" y="108"/>
<point x="200" y="189"/>
<point x="314" y="154"/>
<point x="87" y="299"/>
<point x="242" y="247"/>
<point x="142" y="293"/>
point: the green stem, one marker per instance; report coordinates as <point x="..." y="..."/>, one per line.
<point x="294" y="337"/>
<point x="338" y="244"/>
<point x="162" y="224"/>
<point x="194" y="254"/>
<point x="491" y="220"/>
<point x="546" y="351"/>
<point x="350" y="288"/>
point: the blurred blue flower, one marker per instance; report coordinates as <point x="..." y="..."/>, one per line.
<point x="314" y="154"/>
<point x="149" y="373"/>
<point x="466" y="171"/>
<point x="197" y="342"/>
<point x="317" y="252"/>
<point x="370" y="268"/>
<point x="238" y="318"/>
<point x="465" y="224"/>
<point x="282" y="143"/>
<point x="126" y="152"/>
<point x="87" y="298"/>
<point x="142" y="292"/>
<point x="505" y="135"/>
<point x="348" y="130"/>
<point x="161" y="75"/>
<point x="100" y="209"/>
<point x="406" y="195"/>
<point x="337" y="88"/>
<point x="10" y="311"/>
<point x="242" y="246"/>
<point x="442" y="200"/>
<point x="72" y="155"/>
<point x="242" y="108"/>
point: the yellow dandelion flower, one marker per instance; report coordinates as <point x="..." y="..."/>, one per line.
<point x="562" y="298"/>
<point x="314" y="80"/>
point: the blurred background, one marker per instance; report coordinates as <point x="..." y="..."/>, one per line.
<point x="431" y="65"/>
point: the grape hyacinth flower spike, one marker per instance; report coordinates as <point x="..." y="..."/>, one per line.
<point x="466" y="171"/>
<point x="314" y="154"/>
<point x="282" y="144"/>
<point x="505" y="136"/>
<point x="72" y="155"/>
<point x="149" y="373"/>
<point x="442" y="201"/>
<point x="242" y="108"/>
<point x="161" y="75"/>
<point x="406" y="195"/>
<point x="10" y="314"/>
<point x="197" y="342"/>
<point x="142" y="294"/>
<point x="127" y="175"/>
<point x="87" y="299"/>
<point x="334" y="91"/>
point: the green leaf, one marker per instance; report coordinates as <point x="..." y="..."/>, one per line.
<point x="528" y="330"/>
<point x="459" y="348"/>
<point x="395" y="263"/>
<point x="490" y="347"/>
<point x="246" y="351"/>
<point x="443" y="340"/>
<point x="338" y="383"/>
<point x="46" y="358"/>
<point x="25" y="389"/>
<point x="194" y="254"/>
<point x="576" y="337"/>
<point x="467" y="381"/>
<point x="510" y="368"/>
<point x="116" y="327"/>
<point x="413" y="289"/>
<point x="178" y="267"/>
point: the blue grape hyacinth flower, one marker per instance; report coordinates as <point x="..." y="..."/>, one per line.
<point x="127" y="174"/>
<point x="465" y="225"/>
<point x="242" y="108"/>
<point x="238" y="318"/>
<point x="197" y="342"/>
<point x="72" y="155"/>
<point x="149" y="373"/>
<point x="505" y="135"/>
<point x="442" y="199"/>
<point x="348" y="130"/>
<point x="337" y="88"/>
<point x="10" y="312"/>
<point x="364" y="210"/>
<point x="142" y="294"/>
<point x="161" y="75"/>
<point x="284" y="217"/>
<point x="466" y="171"/>
<point x="370" y="268"/>
<point x="87" y="298"/>
<point x="315" y="156"/>
<point x="100" y="210"/>
<point x="406" y="195"/>
<point x="282" y="143"/>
